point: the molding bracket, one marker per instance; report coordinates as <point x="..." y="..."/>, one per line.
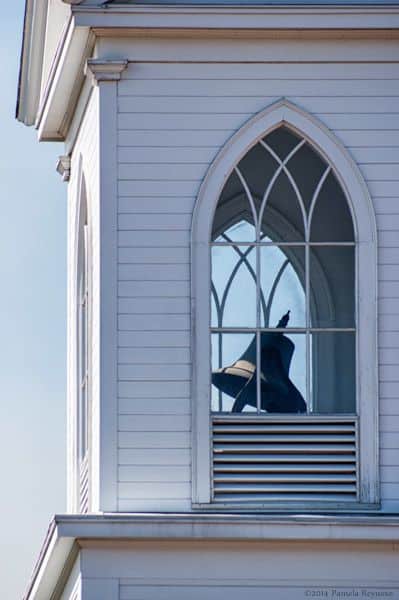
<point x="105" y="70"/>
<point x="64" y="167"/>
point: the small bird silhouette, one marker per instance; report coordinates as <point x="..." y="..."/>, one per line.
<point x="284" y="320"/>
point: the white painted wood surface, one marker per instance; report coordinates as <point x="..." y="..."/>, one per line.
<point x="173" y="119"/>
<point x="84" y="165"/>
<point x="216" y="570"/>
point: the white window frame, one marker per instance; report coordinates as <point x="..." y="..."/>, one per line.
<point x="360" y="204"/>
<point x="82" y="260"/>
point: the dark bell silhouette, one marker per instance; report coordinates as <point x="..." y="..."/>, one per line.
<point x="278" y="393"/>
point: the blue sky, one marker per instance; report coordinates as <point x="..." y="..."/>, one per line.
<point x="33" y="327"/>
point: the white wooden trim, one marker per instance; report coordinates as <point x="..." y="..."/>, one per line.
<point x="72" y="414"/>
<point x="105" y="76"/>
<point x="366" y="237"/>
<point x="64" y="167"/>
<point x="100" y="589"/>
<point x="99" y="531"/>
<point x="239" y="17"/>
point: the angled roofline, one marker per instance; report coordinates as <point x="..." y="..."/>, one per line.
<point x="68" y="533"/>
<point x="31" y="60"/>
<point x="49" y="108"/>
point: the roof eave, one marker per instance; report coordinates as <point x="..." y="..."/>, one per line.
<point x="67" y="533"/>
<point x="31" y="61"/>
<point x="64" y="83"/>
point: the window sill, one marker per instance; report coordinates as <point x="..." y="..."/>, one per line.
<point x="288" y="509"/>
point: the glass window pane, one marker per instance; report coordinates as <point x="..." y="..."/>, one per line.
<point x="283" y="372"/>
<point x="333" y="372"/>
<point x="331" y="220"/>
<point x="233" y="215"/>
<point x="282" y="141"/>
<point x="307" y="168"/>
<point x="282" y="218"/>
<point x="233" y="368"/>
<point x="282" y="276"/>
<point x="332" y="284"/>
<point x="257" y="167"/>
<point x="234" y="286"/>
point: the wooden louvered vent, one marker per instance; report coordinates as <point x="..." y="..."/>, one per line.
<point x="84" y="486"/>
<point x="284" y="459"/>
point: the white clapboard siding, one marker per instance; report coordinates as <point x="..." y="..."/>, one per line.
<point x="155" y="439"/>
<point x="388" y="356"/>
<point x="151" y="456"/>
<point x="389" y="457"/>
<point x="386" y="205"/>
<point x="389" y="441"/>
<point x="234" y="86"/>
<point x="151" y="355"/>
<point x="155" y="323"/>
<point x="149" y="473"/>
<point x="388" y="272"/>
<point x="151" y="423"/>
<point x="388" y="239"/>
<point x="164" y="171"/>
<point x="380" y="172"/>
<point x="390" y="339"/>
<point x="156" y="204"/>
<point x="138" y="156"/>
<point x="141" y="372"/>
<point x="388" y="322"/>
<point x="248" y="105"/>
<point x="185" y="70"/>
<point x="160" y="489"/>
<point x="154" y="237"/>
<point x="151" y="339"/>
<point x="166" y="121"/>
<point x="389" y="289"/>
<point x="371" y="155"/>
<point x="388" y="255"/>
<point x="166" y="220"/>
<point x="154" y="306"/>
<point x="156" y="504"/>
<point x="389" y="406"/>
<point x="154" y="389"/>
<point x="163" y="289"/>
<point x="387" y="423"/>
<point x="388" y="389"/>
<point x="154" y="406"/>
<point x="153" y="272"/>
<point x="157" y="187"/>
<point x="173" y="119"/>
<point x="157" y="255"/>
<point x="390" y="475"/>
<point x="172" y="138"/>
<point x="387" y="189"/>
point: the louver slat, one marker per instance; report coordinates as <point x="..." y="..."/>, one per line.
<point x="282" y="459"/>
<point x="84" y="487"/>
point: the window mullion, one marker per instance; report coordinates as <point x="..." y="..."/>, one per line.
<point x="258" y="326"/>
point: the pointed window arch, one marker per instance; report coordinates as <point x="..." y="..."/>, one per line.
<point x="285" y="387"/>
<point x="82" y="346"/>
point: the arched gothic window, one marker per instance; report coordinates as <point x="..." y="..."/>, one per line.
<point x="82" y="348"/>
<point x="283" y="281"/>
<point x="283" y="402"/>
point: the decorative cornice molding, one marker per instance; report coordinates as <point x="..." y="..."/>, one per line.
<point x="64" y="167"/>
<point x="105" y="70"/>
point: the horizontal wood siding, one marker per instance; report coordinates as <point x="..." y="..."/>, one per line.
<point x="173" y="119"/>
